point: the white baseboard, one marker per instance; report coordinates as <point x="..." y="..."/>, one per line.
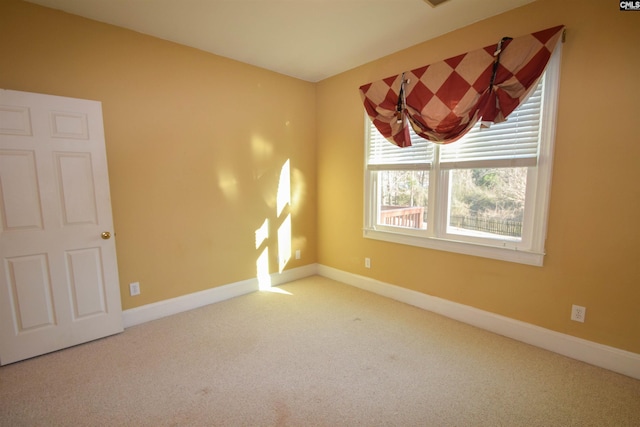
<point x="146" y="313"/>
<point x="611" y="358"/>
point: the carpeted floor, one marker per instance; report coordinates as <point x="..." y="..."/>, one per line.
<point x="316" y="353"/>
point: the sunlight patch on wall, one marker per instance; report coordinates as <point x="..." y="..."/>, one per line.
<point x="262" y="150"/>
<point x="262" y="267"/>
<point x="284" y="243"/>
<point x="284" y="189"/>
<point x="298" y="189"/>
<point x="262" y="264"/>
<point x="283" y="204"/>
<point x="228" y="184"/>
<point x="283" y="236"/>
<point x="262" y="234"/>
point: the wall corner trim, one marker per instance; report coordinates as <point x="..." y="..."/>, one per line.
<point x="158" y="310"/>
<point x="611" y="358"/>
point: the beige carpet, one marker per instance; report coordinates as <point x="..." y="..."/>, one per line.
<point x="326" y="354"/>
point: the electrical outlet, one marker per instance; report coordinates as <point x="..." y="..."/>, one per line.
<point x="298" y="256"/>
<point x="578" y="313"/>
<point x="367" y="262"/>
<point x="134" y="288"/>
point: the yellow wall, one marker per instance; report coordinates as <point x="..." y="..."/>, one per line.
<point x="195" y="145"/>
<point x="593" y="258"/>
<point x="196" y="142"/>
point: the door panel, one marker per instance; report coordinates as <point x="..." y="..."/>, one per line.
<point x="87" y="286"/>
<point x="20" y="199"/>
<point x="15" y="120"/>
<point x="69" y="125"/>
<point x="30" y="293"/>
<point x="75" y="178"/>
<point x="58" y="276"/>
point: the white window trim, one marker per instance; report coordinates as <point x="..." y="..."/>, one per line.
<point x="531" y="250"/>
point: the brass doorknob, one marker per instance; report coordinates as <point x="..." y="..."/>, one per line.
<point x="105" y="235"/>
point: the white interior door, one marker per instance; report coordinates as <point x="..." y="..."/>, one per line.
<point x="58" y="272"/>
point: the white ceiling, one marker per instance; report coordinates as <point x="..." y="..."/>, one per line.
<point x="307" y="39"/>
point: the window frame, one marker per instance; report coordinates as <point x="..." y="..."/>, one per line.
<point x="530" y="250"/>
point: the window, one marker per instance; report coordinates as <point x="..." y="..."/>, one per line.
<point x="485" y="194"/>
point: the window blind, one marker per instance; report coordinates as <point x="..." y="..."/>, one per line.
<point x="384" y="155"/>
<point x="512" y="143"/>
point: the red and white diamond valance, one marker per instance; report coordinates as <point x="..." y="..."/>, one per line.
<point x="443" y="101"/>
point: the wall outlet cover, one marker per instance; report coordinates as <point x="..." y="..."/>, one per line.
<point x="578" y="313"/>
<point x="134" y="288"/>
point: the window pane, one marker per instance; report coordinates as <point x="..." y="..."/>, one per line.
<point x="487" y="202"/>
<point x="403" y="198"/>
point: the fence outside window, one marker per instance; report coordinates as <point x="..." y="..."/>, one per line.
<point x="503" y="227"/>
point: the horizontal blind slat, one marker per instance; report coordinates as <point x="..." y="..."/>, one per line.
<point x="493" y="163"/>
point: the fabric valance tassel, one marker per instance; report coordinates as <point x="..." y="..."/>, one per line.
<point x="496" y="62"/>
<point x="401" y="105"/>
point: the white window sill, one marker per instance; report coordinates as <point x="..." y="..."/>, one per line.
<point x="467" y="248"/>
